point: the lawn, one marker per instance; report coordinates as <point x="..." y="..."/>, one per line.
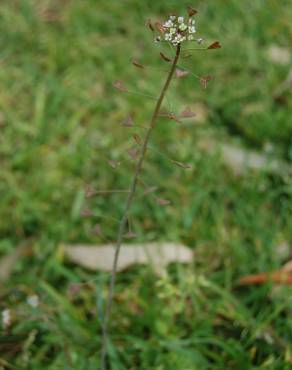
<point x="60" y="125"/>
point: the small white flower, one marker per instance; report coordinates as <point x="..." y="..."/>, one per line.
<point x="200" y="40"/>
<point x="172" y="30"/>
<point x="33" y="300"/>
<point x="167" y="37"/>
<point x="180" y="19"/>
<point x="6" y="318"/>
<point x="183" y="27"/>
<point x="172" y="17"/>
<point x="168" y="24"/>
<point x="192" y="29"/>
<point x="190" y="37"/>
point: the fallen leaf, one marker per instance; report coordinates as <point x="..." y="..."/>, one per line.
<point x="179" y="73"/>
<point x="215" y="45"/>
<point x="241" y="160"/>
<point x="279" y="55"/>
<point x="118" y="84"/>
<point x="278" y="277"/>
<point x="159" y="255"/>
<point x="165" y="58"/>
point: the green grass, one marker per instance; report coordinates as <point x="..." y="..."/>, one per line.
<point x="59" y="118"/>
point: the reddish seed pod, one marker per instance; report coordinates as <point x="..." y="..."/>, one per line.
<point x="204" y="80"/>
<point x="128" y="122"/>
<point x="215" y="45"/>
<point x="112" y="163"/>
<point x="137" y="139"/>
<point x="137" y="64"/>
<point x="179" y="73"/>
<point x="118" y="84"/>
<point x="162" y="202"/>
<point x="187" y="113"/>
<point x="149" y="24"/>
<point x="89" y="191"/>
<point x="191" y="11"/>
<point x="159" y="27"/>
<point x="86" y="213"/>
<point x="165" y="58"/>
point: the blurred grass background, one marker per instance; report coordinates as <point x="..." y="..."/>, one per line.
<point x="60" y="124"/>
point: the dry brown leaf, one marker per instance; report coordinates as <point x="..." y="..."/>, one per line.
<point x="101" y="257"/>
<point x="278" y="277"/>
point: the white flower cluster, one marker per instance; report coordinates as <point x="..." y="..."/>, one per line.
<point x="178" y="30"/>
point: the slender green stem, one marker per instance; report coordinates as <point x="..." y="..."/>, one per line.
<point x="123" y="221"/>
